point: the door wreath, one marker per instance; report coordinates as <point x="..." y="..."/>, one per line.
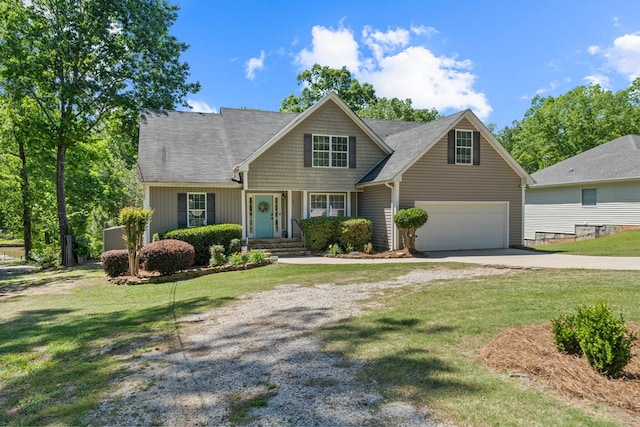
<point x="263" y="206"/>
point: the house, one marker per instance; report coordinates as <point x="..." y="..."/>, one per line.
<point x="269" y="170"/>
<point x="599" y="187"/>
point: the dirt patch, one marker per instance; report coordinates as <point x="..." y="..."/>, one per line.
<point x="529" y="353"/>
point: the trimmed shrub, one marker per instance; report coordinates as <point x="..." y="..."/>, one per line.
<point x="604" y="339"/>
<point x="355" y="232"/>
<point x="167" y="256"/>
<point x="408" y="221"/>
<point x="565" y="335"/>
<point x="202" y="238"/>
<point x="235" y="245"/>
<point x="217" y="256"/>
<point x="115" y="263"/>
<point x="256" y="256"/>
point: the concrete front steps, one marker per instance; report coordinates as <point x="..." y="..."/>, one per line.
<point x="279" y="247"/>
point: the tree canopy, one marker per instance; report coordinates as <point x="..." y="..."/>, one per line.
<point x="360" y="97"/>
<point x="556" y="128"/>
<point x="88" y="65"/>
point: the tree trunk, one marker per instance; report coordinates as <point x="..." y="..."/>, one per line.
<point x="26" y="205"/>
<point x="60" y="198"/>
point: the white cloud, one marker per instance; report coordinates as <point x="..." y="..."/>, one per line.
<point x="554" y="84"/>
<point x="593" y="49"/>
<point x="623" y="56"/>
<point x="422" y="30"/>
<point x="333" y="48"/>
<point x="598" y="79"/>
<point x="398" y="68"/>
<point x="253" y="65"/>
<point x="199" y="106"/>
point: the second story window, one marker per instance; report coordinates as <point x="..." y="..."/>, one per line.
<point x="464" y="145"/>
<point x="330" y="151"/>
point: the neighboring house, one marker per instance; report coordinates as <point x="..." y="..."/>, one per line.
<point x="600" y="186"/>
<point x="268" y="171"/>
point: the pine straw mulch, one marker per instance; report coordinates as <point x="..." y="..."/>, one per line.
<point x="530" y="352"/>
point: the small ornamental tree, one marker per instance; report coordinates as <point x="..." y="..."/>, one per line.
<point x="134" y="220"/>
<point x="408" y="221"/>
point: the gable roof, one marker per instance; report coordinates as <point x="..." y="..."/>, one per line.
<point x="613" y="161"/>
<point x="331" y="97"/>
<point x="415" y="141"/>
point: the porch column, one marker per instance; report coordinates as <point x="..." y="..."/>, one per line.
<point x="348" y="205"/>
<point x="243" y="210"/>
<point x="289" y="215"/>
<point x="146" y="203"/>
<point x="305" y="211"/>
<point x="394" y="209"/>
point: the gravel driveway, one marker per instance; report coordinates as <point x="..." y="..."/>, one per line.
<point x="261" y="348"/>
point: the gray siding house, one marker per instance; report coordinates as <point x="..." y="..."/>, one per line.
<point x="598" y="187"/>
<point x="267" y="171"/>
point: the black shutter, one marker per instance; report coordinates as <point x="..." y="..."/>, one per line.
<point x="211" y="208"/>
<point x="307" y="150"/>
<point x="451" y="151"/>
<point x="182" y="210"/>
<point x="352" y="152"/>
<point x="476" y="148"/>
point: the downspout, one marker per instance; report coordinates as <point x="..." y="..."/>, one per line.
<point x="523" y="186"/>
<point x="395" y="196"/>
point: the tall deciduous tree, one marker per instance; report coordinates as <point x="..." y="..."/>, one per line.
<point x="554" y="129"/>
<point x="83" y="61"/>
<point x="360" y="97"/>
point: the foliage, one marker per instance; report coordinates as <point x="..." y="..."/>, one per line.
<point x="235" y="245"/>
<point x="368" y="248"/>
<point x="334" y="249"/>
<point x="202" y="238"/>
<point x="135" y="221"/>
<point x="604" y="339"/>
<point x="319" y="231"/>
<point x="46" y="256"/>
<point x="84" y="62"/>
<point x="256" y="256"/>
<point x="115" y="262"/>
<point x="237" y="259"/>
<point x="167" y="256"/>
<point x="408" y="221"/>
<point x="554" y="129"/>
<point x="355" y="232"/>
<point x="318" y="81"/>
<point x="218" y="256"/>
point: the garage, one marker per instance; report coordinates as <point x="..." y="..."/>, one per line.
<point x="464" y="225"/>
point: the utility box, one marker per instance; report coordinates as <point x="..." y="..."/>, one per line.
<point x="112" y="238"/>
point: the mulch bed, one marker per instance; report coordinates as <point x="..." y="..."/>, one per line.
<point x="529" y="352"/>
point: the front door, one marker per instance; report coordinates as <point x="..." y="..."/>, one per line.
<point x="264" y="215"/>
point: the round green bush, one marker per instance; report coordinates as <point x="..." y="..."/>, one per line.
<point x="167" y="256"/>
<point x="202" y="238"/>
<point x="115" y="262"/>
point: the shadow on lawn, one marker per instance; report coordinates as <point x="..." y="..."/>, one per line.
<point x="410" y="371"/>
<point x="57" y="363"/>
<point x="15" y="279"/>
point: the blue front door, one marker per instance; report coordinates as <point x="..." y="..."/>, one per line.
<point x="264" y="216"/>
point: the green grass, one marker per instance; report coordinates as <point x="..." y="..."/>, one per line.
<point x="423" y="346"/>
<point x="11" y="242"/>
<point x="59" y="352"/>
<point x="625" y="244"/>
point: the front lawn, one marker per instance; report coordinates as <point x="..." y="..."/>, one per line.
<point x="61" y="347"/>
<point x="625" y="244"/>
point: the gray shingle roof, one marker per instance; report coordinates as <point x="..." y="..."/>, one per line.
<point x="615" y="160"/>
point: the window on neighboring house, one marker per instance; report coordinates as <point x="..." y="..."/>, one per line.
<point x="464" y="147"/>
<point x="327" y="205"/>
<point x="589" y="197"/>
<point x="196" y="209"/>
<point x="330" y="151"/>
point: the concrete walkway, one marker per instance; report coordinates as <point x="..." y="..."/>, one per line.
<point x="499" y="257"/>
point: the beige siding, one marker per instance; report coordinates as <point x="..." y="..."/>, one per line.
<point x="559" y="209"/>
<point x="164" y="202"/>
<point x="296" y="208"/>
<point x="375" y="204"/>
<point x="431" y="178"/>
<point x="282" y="165"/>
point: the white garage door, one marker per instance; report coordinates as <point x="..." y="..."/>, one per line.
<point x="464" y="225"/>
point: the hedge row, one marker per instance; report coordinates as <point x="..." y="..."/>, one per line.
<point x="202" y="238"/>
<point x="320" y="232"/>
<point x="167" y="256"/>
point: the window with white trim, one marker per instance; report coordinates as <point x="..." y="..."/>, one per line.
<point x="464" y="147"/>
<point x="589" y="197"/>
<point x="196" y="209"/>
<point x="330" y="151"/>
<point x="326" y="205"/>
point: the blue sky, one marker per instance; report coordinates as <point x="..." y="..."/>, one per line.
<point x="489" y="56"/>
